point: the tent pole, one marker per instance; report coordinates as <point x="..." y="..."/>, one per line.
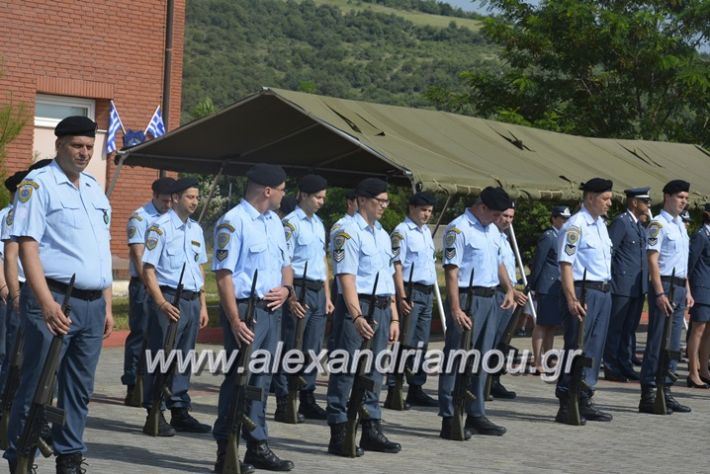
<point x="530" y="305"/>
<point x="114" y="178"/>
<point x="213" y="186"/>
<point x="437" y="292"/>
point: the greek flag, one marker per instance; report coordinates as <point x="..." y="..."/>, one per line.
<point x="114" y="124"/>
<point x="156" y="127"/>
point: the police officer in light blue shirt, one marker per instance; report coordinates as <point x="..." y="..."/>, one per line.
<point x="361" y="252"/>
<point x="584" y="244"/>
<point x="251" y="237"/>
<point x="305" y="238"/>
<point x="171" y="241"/>
<point x="413" y="249"/>
<point x="629" y="284"/>
<point x="62" y="222"/>
<point x="136" y="229"/>
<point x="699" y="277"/>
<point x="668" y="249"/>
<point x="472" y="244"/>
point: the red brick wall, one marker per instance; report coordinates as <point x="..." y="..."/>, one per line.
<point x="96" y="49"/>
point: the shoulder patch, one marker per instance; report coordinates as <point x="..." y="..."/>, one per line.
<point x="131" y="231"/>
<point x="10" y="218"/>
<point x="136" y="216"/>
<point x="339" y="244"/>
<point x="226" y="226"/>
<point x="223" y="239"/>
<point x="25" y="188"/>
<point x="654" y="230"/>
<point x="151" y="243"/>
<point x="571" y="239"/>
<point x="156" y="229"/>
<point x="396" y="239"/>
<point x="289" y="229"/>
<point x="335" y="227"/>
<point x="451" y="235"/>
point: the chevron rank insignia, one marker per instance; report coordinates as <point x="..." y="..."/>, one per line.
<point x="221" y="254"/>
<point x="396" y="242"/>
<point x="339" y="246"/>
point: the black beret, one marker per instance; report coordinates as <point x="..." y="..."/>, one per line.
<point x="350" y="195"/>
<point x="641" y="193"/>
<point x="184" y="183"/>
<point x="76" y="125"/>
<point x="496" y="199"/>
<point x="422" y="198"/>
<point x="562" y="211"/>
<point x="12" y="182"/>
<point x="288" y="204"/>
<point x="597" y="185"/>
<point x="371" y="187"/>
<point x="676" y="186"/>
<point x="312" y="183"/>
<point x="266" y="174"/>
<point x="163" y="185"/>
<point x="40" y="164"/>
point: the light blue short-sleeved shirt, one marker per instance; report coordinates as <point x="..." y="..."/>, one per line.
<point x="365" y="251"/>
<point x="413" y="245"/>
<point x="584" y="242"/>
<point x="137" y="226"/>
<point x="668" y="236"/>
<point x="246" y="240"/>
<point x="470" y="245"/>
<point x="72" y="226"/>
<point x="508" y="258"/>
<point x="170" y="242"/>
<point x="6" y="236"/>
<point x="3" y="219"/>
<point x="305" y="239"/>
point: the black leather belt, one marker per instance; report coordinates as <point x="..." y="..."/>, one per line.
<point x="426" y="289"/>
<point x="86" y="295"/>
<point x="602" y="286"/>
<point x="676" y="280"/>
<point x="261" y="303"/>
<point x="484" y="291"/>
<point x="381" y="302"/>
<point x="186" y="295"/>
<point x="314" y="285"/>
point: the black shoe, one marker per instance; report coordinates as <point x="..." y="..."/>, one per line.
<point x="164" y="428"/>
<point x="337" y="438"/>
<point x="70" y="463"/>
<point x="648" y="401"/>
<point x="309" y="408"/>
<point x="500" y="392"/>
<point x="262" y="457"/>
<point x="181" y="420"/>
<point x="631" y="374"/>
<point x="373" y="439"/>
<point x="614" y="377"/>
<point x="416" y="396"/>
<point x="482" y="425"/>
<point x="563" y="415"/>
<point x="281" y="412"/>
<point x="673" y="404"/>
<point x="128" y="401"/>
<point x="689" y="382"/>
<point x="446" y="429"/>
<point x="221" y="453"/>
<point x="590" y="412"/>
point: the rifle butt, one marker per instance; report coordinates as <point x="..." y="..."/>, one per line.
<point x="292" y="408"/>
<point x="4" y="426"/>
<point x="458" y="426"/>
<point x="350" y="442"/>
<point x="152" y="421"/>
<point x="395" y="395"/>
<point x="136" y="397"/>
<point x="231" y="457"/>
<point x="574" y="417"/>
<point x="659" y="404"/>
<point x="487" y="388"/>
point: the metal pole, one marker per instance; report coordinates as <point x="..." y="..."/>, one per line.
<point x="519" y="261"/>
<point x="167" y="66"/>
<point x="114" y="178"/>
<point x="213" y="186"/>
<point x="437" y="292"/>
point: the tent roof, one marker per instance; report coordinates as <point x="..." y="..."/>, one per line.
<point x="347" y="140"/>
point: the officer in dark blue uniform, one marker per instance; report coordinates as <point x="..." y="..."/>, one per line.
<point x="584" y="245"/>
<point x="361" y="251"/>
<point x="699" y="276"/>
<point x="249" y="237"/>
<point x="136" y="229"/>
<point x="305" y="238"/>
<point x="174" y="239"/>
<point x="667" y="250"/>
<point x="472" y="244"/>
<point x="629" y="284"/>
<point x="62" y="223"/>
<point x="545" y="282"/>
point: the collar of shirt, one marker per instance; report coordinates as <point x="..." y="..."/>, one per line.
<point x="588" y="217"/>
<point x="362" y="223"/>
<point x="253" y="213"/>
<point x="555" y="231"/>
<point x="633" y="217"/>
<point x="301" y="215"/>
<point x="150" y="209"/>
<point x="176" y="221"/>
<point x="474" y="220"/>
<point x="60" y="176"/>
<point x="667" y="216"/>
<point x="411" y="224"/>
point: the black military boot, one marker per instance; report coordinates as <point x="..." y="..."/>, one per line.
<point x="672" y="403"/>
<point x="282" y="409"/>
<point x="164" y="428"/>
<point x="482" y="425"/>
<point x="70" y="464"/>
<point x="590" y="412"/>
<point x="13" y="468"/>
<point x="221" y="453"/>
<point x="446" y="427"/>
<point x="499" y="391"/>
<point x="416" y="396"/>
<point x="563" y="413"/>
<point x="262" y="457"/>
<point x="648" y="400"/>
<point x="181" y="420"/>
<point x="337" y="438"/>
<point x="373" y="439"/>
<point x="128" y="401"/>
<point x="309" y="408"/>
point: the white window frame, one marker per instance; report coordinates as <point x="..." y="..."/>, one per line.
<point x="89" y="104"/>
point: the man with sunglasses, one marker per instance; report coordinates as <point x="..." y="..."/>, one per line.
<point x="629" y="284"/>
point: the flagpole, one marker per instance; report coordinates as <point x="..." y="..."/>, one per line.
<point x="119" y="117"/>
<point x="151" y="120"/>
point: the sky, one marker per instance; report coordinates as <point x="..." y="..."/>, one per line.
<point x="473" y="6"/>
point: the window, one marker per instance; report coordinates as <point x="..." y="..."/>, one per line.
<point x="50" y="109"/>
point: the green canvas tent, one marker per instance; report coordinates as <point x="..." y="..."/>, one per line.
<point x="347" y="140"/>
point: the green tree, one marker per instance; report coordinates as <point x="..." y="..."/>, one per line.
<point x="12" y="118"/>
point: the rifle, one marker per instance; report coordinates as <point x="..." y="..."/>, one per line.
<point x="579" y="362"/>
<point x="462" y="393"/>
<point x="361" y="383"/>
<point x="41" y="409"/>
<point x="395" y="396"/>
<point x="665" y="357"/>
<point x="161" y="381"/>
<point x="136" y="398"/>
<point x="296" y="381"/>
<point x="243" y="392"/>
<point x="11" y="384"/>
